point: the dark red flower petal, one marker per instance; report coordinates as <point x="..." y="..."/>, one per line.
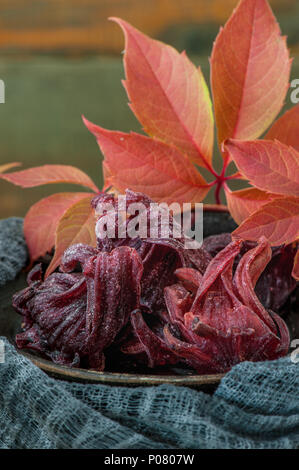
<point x="157" y="351"/>
<point x="190" y="278"/>
<point x="276" y="283"/>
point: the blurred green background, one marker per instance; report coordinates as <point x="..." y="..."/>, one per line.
<point x="62" y="58"/>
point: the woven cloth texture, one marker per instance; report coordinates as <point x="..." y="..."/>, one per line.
<point x="13" y="251"/>
<point x="255" y="406"/>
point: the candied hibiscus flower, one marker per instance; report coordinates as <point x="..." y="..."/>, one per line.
<point x="161" y="255"/>
<point x="151" y="300"/>
<point x="216" y="320"/>
<point x="72" y="318"/>
<point x="276" y="283"/>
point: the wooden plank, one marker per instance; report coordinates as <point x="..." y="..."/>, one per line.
<point x="80" y="26"/>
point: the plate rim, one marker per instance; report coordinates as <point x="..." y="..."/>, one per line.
<point x="119" y="378"/>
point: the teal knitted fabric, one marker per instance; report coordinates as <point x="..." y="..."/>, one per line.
<point x="13" y="250"/>
<point x="255" y="406"/>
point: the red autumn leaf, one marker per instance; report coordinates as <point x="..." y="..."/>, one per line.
<point x="278" y="221"/>
<point x="77" y="225"/>
<point x="250" y="73"/>
<point x="243" y="203"/>
<point x="49" y="174"/>
<point x="150" y="166"/>
<point x="8" y="166"/>
<point x="295" y="272"/>
<point x="270" y="166"/>
<point x="250" y="70"/>
<point x="42" y="219"/>
<point x="106" y="174"/>
<point x="168" y="94"/>
<point x="285" y="129"/>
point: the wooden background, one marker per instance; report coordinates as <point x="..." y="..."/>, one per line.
<point x="81" y="26"/>
<point x="60" y="59"/>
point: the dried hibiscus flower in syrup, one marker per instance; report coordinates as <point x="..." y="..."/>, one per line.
<point x="276" y="283"/>
<point x="161" y="256"/>
<point x="150" y="297"/>
<point x="72" y="318"/>
<point x="216" y="320"/>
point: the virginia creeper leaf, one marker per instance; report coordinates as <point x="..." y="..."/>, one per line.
<point x="278" y="221"/>
<point x="77" y="225"/>
<point x="150" y="166"/>
<point x="42" y="219"/>
<point x="106" y="175"/>
<point x="285" y="129"/>
<point x="48" y="174"/>
<point x="295" y="272"/>
<point x="168" y="94"/>
<point x="250" y="70"/>
<point x="8" y="166"/>
<point x="270" y="166"/>
<point x="242" y="204"/>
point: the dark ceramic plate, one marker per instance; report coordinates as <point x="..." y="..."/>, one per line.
<point x="10" y="325"/>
